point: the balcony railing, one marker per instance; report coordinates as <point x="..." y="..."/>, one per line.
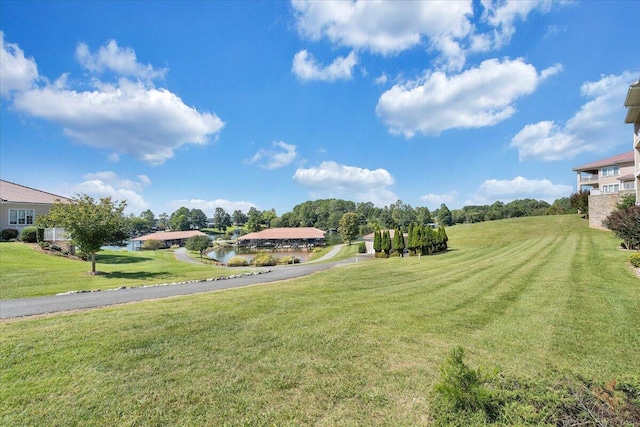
<point x="588" y="178"/>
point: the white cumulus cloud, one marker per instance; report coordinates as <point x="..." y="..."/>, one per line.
<point x="502" y="15"/>
<point x="128" y="118"/>
<point x="389" y="27"/>
<point x="122" y="61"/>
<point x="331" y="179"/>
<point x="384" y="27"/>
<point x="506" y="191"/>
<point x="478" y="97"/>
<point x="109" y="184"/>
<point x="433" y="201"/>
<point x="305" y="67"/>
<point x="16" y="71"/>
<point x="595" y="127"/>
<point x="281" y="155"/>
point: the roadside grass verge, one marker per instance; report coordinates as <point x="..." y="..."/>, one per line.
<point x="539" y="299"/>
<point x="346" y="252"/>
<point x="27" y="272"/>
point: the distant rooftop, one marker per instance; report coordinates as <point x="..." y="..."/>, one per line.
<point x="285" y="233"/>
<point x="610" y="161"/>
<point x="170" y="235"/>
<point x="16" y="193"/>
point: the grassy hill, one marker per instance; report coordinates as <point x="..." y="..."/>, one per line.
<point x="546" y="302"/>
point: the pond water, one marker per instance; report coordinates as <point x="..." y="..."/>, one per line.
<point x="225" y="253"/>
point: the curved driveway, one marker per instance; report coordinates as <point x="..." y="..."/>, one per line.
<point x="84" y="300"/>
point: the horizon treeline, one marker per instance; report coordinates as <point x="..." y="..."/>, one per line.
<point x="325" y="214"/>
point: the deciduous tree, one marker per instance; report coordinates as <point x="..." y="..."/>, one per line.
<point x="197" y="243"/>
<point x="180" y="219"/>
<point x="580" y="201"/>
<point x="198" y="219"/>
<point x="349" y="226"/>
<point x="91" y="224"/>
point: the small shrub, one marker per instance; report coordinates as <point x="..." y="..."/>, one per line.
<point x="8" y="234"/>
<point x="237" y="261"/>
<point x="43" y="244"/>
<point x="317" y="250"/>
<point x="635" y="260"/>
<point x="55" y="248"/>
<point x="263" y="260"/>
<point x="29" y="235"/>
<point x="288" y="260"/>
<point x="461" y="389"/>
<point x="362" y="248"/>
<point x="83" y="256"/>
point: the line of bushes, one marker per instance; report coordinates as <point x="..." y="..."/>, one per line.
<point x="421" y="240"/>
<point x="31" y="234"/>
<point x="262" y="260"/>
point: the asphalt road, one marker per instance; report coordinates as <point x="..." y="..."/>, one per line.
<point x="85" y="300"/>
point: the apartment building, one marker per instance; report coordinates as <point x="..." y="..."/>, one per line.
<point x="608" y="180"/>
<point x="632" y="103"/>
<point x="610" y="175"/>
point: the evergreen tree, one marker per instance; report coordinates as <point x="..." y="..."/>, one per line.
<point x="410" y="246"/>
<point x="386" y="242"/>
<point x="377" y="241"/>
<point x="398" y="241"/>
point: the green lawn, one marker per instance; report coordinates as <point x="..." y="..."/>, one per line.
<point x="26" y="272"/>
<point x="540" y="299"/>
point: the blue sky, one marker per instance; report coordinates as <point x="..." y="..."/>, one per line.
<point x="270" y="104"/>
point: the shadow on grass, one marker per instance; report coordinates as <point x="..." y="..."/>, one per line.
<point x="136" y="275"/>
<point x="119" y="259"/>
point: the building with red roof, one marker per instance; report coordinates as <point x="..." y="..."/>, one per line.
<point x="610" y="175"/>
<point x="20" y="205"/>
<point x="284" y="238"/>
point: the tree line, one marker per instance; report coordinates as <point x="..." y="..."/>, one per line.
<point x="326" y="214"/>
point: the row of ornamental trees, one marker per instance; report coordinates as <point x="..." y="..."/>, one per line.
<point x="421" y="240"/>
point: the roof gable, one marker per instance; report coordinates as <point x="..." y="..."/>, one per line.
<point x="610" y="161"/>
<point x="16" y="193"/>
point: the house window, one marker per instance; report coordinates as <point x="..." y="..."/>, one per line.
<point x="611" y="171"/>
<point x="628" y="185"/>
<point x="21" y="216"/>
<point x="610" y="188"/>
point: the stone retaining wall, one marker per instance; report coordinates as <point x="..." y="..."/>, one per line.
<point x="601" y="205"/>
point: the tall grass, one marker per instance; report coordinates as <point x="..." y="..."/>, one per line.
<point x="536" y="298"/>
